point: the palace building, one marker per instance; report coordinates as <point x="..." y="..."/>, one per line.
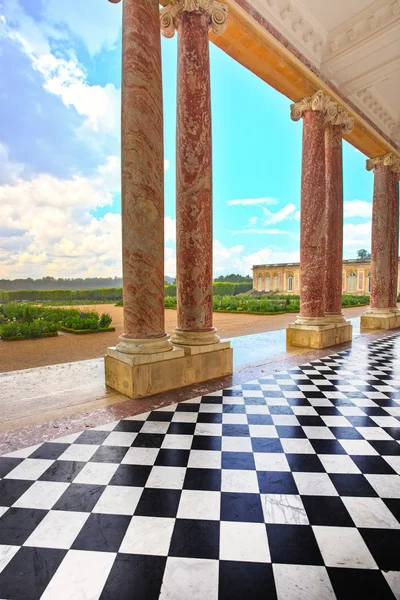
<point x="285" y="277"/>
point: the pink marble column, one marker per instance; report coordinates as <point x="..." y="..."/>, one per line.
<point x="313" y="216"/>
<point x="334" y="220"/>
<point x="385" y="238"/>
<point x="142" y="157"/>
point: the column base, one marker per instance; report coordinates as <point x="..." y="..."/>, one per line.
<point x="136" y="376"/>
<point x="321" y="335"/>
<point x="386" y="318"/>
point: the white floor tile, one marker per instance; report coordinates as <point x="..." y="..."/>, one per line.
<point x="185" y="417"/>
<point x="318" y="433"/>
<point x="314" y="484"/>
<point x="244" y="542"/>
<point x="386" y="486"/>
<point x="234" y="419"/>
<point x="30" y="469"/>
<point x="210" y="408"/>
<point x="374" y="433"/>
<point x="6" y="554"/>
<point x="358" y="447"/>
<point x="297" y="446"/>
<point x="338" y="463"/>
<point x="290" y="420"/>
<point x="81" y="575"/>
<point x="370" y="512"/>
<point x="257" y="409"/>
<point x="284" y="509"/>
<point x="96" y="473"/>
<point x="236" y="444"/>
<point x="124" y="439"/>
<point x="190" y="578"/>
<point x="79" y="452"/>
<point x="271" y="461"/>
<point x="233" y="480"/>
<point x="343" y="547"/>
<point x="208" y="428"/>
<point x="42" y="494"/>
<point x="336" y="421"/>
<point x="205" y="459"/>
<point x="386" y="421"/>
<point x="393" y="579"/>
<point x="148" y="535"/>
<point x="155" y="427"/>
<point x="25" y="452"/>
<point x="118" y="500"/>
<point x="302" y="582"/>
<point x="57" y="530"/>
<point x="141" y="417"/>
<point x="394" y="462"/>
<point x="305" y="411"/>
<point x="166" y="477"/>
<point x="198" y="504"/>
<point x="140" y="456"/>
<point x="268" y="431"/>
<point x="177" y="442"/>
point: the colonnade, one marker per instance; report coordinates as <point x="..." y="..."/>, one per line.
<point x="141" y="363"/>
<point x="321" y="322"/>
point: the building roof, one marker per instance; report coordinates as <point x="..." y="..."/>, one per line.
<point x="346" y="261"/>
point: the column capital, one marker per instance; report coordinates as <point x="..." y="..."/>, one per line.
<point x="217" y="11"/>
<point x="334" y="113"/>
<point x="390" y="160"/>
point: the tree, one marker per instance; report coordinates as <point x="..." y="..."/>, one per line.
<point x="363" y="254"/>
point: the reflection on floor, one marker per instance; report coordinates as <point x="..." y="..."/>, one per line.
<point x="285" y="487"/>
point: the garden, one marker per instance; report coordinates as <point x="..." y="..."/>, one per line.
<point x="21" y="321"/>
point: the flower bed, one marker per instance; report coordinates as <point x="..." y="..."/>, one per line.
<point x="83" y="331"/>
<point x="24" y="321"/>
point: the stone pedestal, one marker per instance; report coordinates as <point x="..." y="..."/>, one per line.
<point x="380" y="319"/>
<point x="319" y="336"/>
<point x="136" y="376"/>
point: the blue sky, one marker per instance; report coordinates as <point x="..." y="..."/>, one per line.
<point x="60" y="157"/>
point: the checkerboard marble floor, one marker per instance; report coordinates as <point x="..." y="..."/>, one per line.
<point x="286" y="487"/>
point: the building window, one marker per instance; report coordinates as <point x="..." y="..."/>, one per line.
<point x="275" y="282"/>
<point x="352" y="282"/>
<point x="361" y="281"/>
<point x="259" y="284"/>
<point x="267" y="283"/>
<point x="290" y="282"/>
<point x="368" y="283"/>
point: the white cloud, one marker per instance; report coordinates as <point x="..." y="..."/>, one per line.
<point x="253" y="220"/>
<point x="286" y="213"/>
<point x="357" y="208"/>
<point x="252" y="202"/>
<point x="49" y="228"/>
<point x="169" y="229"/>
<point x="357" y="236"/>
<point x="262" y="231"/>
<point x="96" y="22"/>
<point x="166" y="165"/>
<point x="8" y="170"/>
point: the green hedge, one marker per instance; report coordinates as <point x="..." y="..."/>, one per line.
<point x="106" y="294"/>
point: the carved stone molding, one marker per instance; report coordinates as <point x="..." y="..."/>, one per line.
<point x="217" y="11"/>
<point x="334" y="113"/>
<point x="390" y="160"/>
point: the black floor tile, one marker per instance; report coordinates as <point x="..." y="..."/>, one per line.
<point x="131" y="475"/>
<point x="158" y="503"/>
<point x="182" y="428"/>
<point x="239" y="580"/>
<point x="129" y="426"/>
<point x="238" y="460"/>
<point x="102" y="533"/>
<point x="241" y="507"/>
<point x="287" y="431"/>
<point x="235" y="430"/>
<point x="309" y="463"/>
<point x="276" y="482"/>
<point x="12" y="489"/>
<point x="384" y="546"/>
<point x="50" y="451"/>
<point x="386" y="447"/>
<point x="109" y="454"/>
<point x="79" y="497"/>
<point x="259" y="420"/>
<point x="359" y="584"/>
<point x="17" y="524"/>
<point x="352" y="485"/>
<point x="92" y="437"/>
<point x="27" y="574"/>
<point x="293" y="544"/>
<point x="172" y="458"/>
<point x="373" y="464"/>
<point x="207" y="442"/>
<point x="202" y="479"/>
<point x="266" y="445"/>
<point x="209" y="418"/>
<point x="327" y="447"/>
<point x="148" y="440"/>
<point x="63" y="470"/>
<point x="193" y="538"/>
<point x="327" y="510"/>
<point x="135" y="577"/>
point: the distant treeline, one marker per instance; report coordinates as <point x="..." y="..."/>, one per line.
<point x="105" y="294"/>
